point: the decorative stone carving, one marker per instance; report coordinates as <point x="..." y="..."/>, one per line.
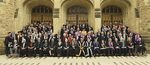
<point x="56" y="13"/>
<point x="97" y="13"/>
<point x="137" y="15"/>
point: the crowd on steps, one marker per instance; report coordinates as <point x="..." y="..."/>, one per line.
<point x="37" y="39"/>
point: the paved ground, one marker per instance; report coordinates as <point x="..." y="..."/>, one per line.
<point x="113" y="60"/>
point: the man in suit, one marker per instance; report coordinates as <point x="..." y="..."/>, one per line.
<point x="45" y="48"/>
<point x="23" y="51"/>
<point x="96" y="47"/>
<point x="8" y="43"/>
<point x="51" y="46"/>
<point x="117" y="47"/>
<point x="38" y="45"/>
<point x="59" y="48"/>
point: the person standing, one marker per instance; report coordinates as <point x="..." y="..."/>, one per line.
<point x="23" y="47"/>
<point x="8" y="44"/>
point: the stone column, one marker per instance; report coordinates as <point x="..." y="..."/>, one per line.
<point x="97" y="23"/>
<point x="56" y="17"/>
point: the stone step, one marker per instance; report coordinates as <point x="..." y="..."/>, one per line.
<point x="2" y="52"/>
<point x="146" y="36"/>
<point x="146" y="40"/>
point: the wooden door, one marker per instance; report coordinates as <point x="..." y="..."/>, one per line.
<point x="77" y="15"/>
<point x="112" y="15"/>
<point x="42" y="14"/>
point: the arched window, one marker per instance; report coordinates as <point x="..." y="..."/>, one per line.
<point x="112" y="15"/>
<point x="42" y="14"/>
<point x="77" y="15"/>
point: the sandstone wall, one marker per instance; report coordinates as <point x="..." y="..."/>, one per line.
<point x="144" y="7"/>
<point x="7" y="9"/>
<point x="144" y="25"/>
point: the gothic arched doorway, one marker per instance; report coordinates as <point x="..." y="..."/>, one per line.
<point x="42" y="14"/>
<point x="112" y="15"/>
<point x="77" y="15"/>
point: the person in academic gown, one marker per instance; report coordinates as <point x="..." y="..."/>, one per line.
<point x="89" y="45"/>
<point x="82" y="47"/>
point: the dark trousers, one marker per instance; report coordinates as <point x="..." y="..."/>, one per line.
<point x="131" y="51"/>
<point x="96" y="51"/>
<point x="30" y="52"/>
<point x="66" y="52"/>
<point x="6" y="51"/>
<point x="110" y="51"/>
<point x="40" y="51"/>
<point x="77" y="49"/>
<point x="141" y="49"/>
<point x="23" y="52"/>
<point x="124" y="51"/>
<point x="117" y="51"/>
<point x="45" y="52"/>
<point x="59" y="52"/>
<point x="72" y="52"/>
<point x="103" y="51"/>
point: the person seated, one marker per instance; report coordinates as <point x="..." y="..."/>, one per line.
<point x="66" y="48"/>
<point x="73" y="47"/>
<point x="96" y="47"/>
<point x="130" y="46"/>
<point x="84" y="32"/>
<point x="23" y="51"/>
<point x="117" y="47"/>
<point x="30" y="49"/>
<point x="15" y="48"/>
<point x="59" y="48"/>
<point x="45" y="48"/>
<point x="141" y="48"/>
<point x="110" y="47"/>
<point x="103" y="48"/>
<point x="82" y="47"/>
<point x="51" y="46"/>
<point x="123" y="46"/>
<point x="89" y="45"/>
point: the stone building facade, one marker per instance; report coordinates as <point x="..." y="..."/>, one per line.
<point x="15" y="14"/>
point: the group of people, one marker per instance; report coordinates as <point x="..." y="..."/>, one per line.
<point x="37" y="39"/>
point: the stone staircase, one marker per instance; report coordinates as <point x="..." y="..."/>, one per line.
<point x="146" y="38"/>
